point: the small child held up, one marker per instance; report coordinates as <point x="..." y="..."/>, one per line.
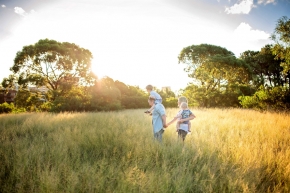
<point x="154" y="95"/>
<point x="184" y="116"/>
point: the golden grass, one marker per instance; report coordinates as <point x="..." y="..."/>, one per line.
<point x="230" y="150"/>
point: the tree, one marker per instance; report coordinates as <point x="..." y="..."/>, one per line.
<point x="76" y="99"/>
<point x="271" y="66"/>
<point x="281" y="49"/>
<point x="212" y="65"/>
<point x="110" y="95"/>
<point x="266" y="70"/>
<point x="213" y="70"/>
<point x="53" y="64"/>
<point x="9" y="82"/>
<point x="31" y="101"/>
<point x="168" y="97"/>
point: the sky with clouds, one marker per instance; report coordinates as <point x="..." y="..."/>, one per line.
<point x="138" y="41"/>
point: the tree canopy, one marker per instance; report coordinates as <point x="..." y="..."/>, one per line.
<point x="53" y="64"/>
<point x="214" y="70"/>
<point x="281" y="36"/>
<point x="212" y="65"/>
<point x="265" y="69"/>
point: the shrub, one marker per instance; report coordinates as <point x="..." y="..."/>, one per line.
<point x="276" y="98"/>
<point x="6" y="108"/>
<point x="170" y="102"/>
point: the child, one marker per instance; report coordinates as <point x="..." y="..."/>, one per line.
<point x="154" y="95"/>
<point x="183" y="125"/>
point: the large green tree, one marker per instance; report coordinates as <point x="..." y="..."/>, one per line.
<point x="214" y="70"/>
<point x="212" y="65"/>
<point x="266" y="70"/>
<point x="53" y="64"/>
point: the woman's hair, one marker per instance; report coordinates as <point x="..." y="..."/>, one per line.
<point x="182" y="99"/>
<point x="149" y="87"/>
<point x="184" y="105"/>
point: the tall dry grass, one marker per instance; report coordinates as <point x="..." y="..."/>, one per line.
<point x="230" y="150"/>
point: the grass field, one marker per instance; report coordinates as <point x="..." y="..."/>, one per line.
<point x="230" y="150"/>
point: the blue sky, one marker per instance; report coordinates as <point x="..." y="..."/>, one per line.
<point x="138" y="41"/>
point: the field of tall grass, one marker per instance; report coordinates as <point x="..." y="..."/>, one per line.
<point x="231" y="150"/>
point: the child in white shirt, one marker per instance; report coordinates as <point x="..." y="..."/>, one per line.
<point x="184" y="116"/>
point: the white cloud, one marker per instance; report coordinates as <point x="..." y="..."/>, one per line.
<point x="3" y="6"/>
<point x="243" y="7"/>
<point x="265" y="2"/>
<point x="23" y="13"/>
<point x="245" y="38"/>
<point x="20" y="11"/>
<point x="245" y="31"/>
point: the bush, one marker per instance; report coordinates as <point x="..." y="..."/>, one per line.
<point x="170" y="102"/>
<point x="6" y="108"/>
<point x="45" y="106"/>
<point x="134" y="102"/>
<point x="276" y="98"/>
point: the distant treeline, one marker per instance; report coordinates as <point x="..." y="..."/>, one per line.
<point x="105" y="95"/>
<point x="256" y="79"/>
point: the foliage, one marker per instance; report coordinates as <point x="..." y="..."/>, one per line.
<point x="168" y="97"/>
<point x="108" y="94"/>
<point x="282" y="47"/>
<point x="170" y="102"/>
<point x="272" y="85"/>
<point x="265" y="69"/>
<point x="115" y="152"/>
<point x="276" y="98"/>
<point x="45" y="107"/>
<point x="53" y="64"/>
<point x="74" y="100"/>
<point x="10" y="108"/>
<point x="225" y="97"/>
<point x="8" y="82"/>
<point x="104" y="95"/>
<point x="31" y="101"/>
<point x="212" y="65"/>
<point x="257" y="79"/>
<point x="6" y="107"/>
<point x="134" y="102"/>
<point x="217" y="74"/>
